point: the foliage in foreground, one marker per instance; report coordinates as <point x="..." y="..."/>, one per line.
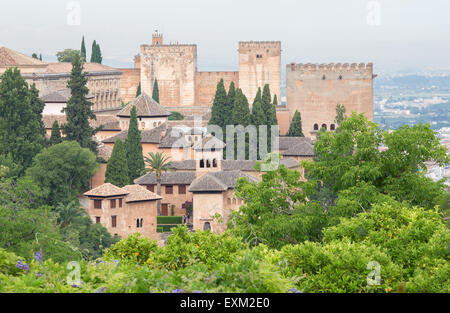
<point x="409" y="246"/>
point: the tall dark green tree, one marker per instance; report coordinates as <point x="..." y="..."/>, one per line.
<point x="295" y="129"/>
<point x="241" y="116"/>
<point x="217" y="110"/>
<point x="117" y="168"/>
<point x="258" y="119"/>
<point x="78" y="109"/>
<point x="270" y="112"/>
<point x="275" y="100"/>
<point x="83" y="50"/>
<point x="138" y="91"/>
<point x="96" y="55"/>
<point x="35" y="56"/>
<point x="258" y="96"/>
<point x="40" y="57"/>
<point x="155" y="94"/>
<point x="21" y="127"/>
<point x="55" y="138"/>
<point x="228" y="109"/>
<point x="133" y="145"/>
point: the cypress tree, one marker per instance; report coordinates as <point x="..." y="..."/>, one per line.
<point x="117" y="169"/>
<point x="266" y="101"/>
<point x="133" y="145"/>
<point x="228" y="108"/>
<point x="99" y="54"/>
<point x="241" y="116"/>
<point x="21" y="126"/>
<point x="295" y="129"/>
<point x="55" y="138"/>
<point x="94" y="52"/>
<point x="79" y="109"/>
<point x="217" y="110"/>
<point x="83" y="50"/>
<point x="258" y="118"/>
<point x="40" y="56"/>
<point x="275" y="100"/>
<point x="155" y="94"/>
<point x="138" y="91"/>
<point x="258" y="96"/>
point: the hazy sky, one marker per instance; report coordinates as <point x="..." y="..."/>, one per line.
<point x="410" y="34"/>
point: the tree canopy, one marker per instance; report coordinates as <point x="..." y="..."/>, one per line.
<point x="117" y="168"/>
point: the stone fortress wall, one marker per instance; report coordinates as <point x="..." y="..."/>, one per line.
<point x="316" y="89"/>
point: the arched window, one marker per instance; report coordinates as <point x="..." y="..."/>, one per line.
<point x="202" y="163"/>
<point x="316" y="126"/>
<point x="190" y="138"/>
<point x="154" y="124"/>
<point x="214" y="163"/>
<point x="207" y="226"/>
<point x="332" y="127"/>
<point x="143" y="124"/>
<point x="324" y="126"/>
<point x="208" y="163"/>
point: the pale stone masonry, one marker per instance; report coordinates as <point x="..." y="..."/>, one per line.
<point x="315" y="91"/>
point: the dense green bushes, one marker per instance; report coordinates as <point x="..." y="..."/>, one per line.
<point x="169" y="220"/>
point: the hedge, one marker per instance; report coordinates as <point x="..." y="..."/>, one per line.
<point x="172" y="220"/>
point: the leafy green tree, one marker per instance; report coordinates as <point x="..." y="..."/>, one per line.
<point x="155" y="94"/>
<point x="67" y="55"/>
<point x="295" y="129"/>
<point x="21" y="126"/>
<point x="350" y="163"/>
<point x="135" y="159"/>
<point x="35" y="56"/>
<point x="276" y="211"/>
<point x="55" y="137"/>
<point x="83" y="51"/>
<point x="79" y="110"/>
<point x="138" y="91"/>
<point x="157" y="163"/>
<point x="63" y="171"/>
<point x="117" y="168"/>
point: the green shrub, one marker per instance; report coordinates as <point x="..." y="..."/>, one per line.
<point x="172" y="220"/>
<point x="134" y="248"/>
<point x="159" y="229"/>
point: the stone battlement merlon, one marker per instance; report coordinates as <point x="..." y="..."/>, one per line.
<point x="259" y="44"/>
<point x="331" y="67"/>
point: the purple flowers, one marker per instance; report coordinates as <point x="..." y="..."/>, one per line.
<point x="100" y="290"/>
<point x="38" y="256"/>
<point x="294" y="290"/>
<point x="177" y="291"/>
<point x="38" y="274"/>
<point x="22" y="266"/>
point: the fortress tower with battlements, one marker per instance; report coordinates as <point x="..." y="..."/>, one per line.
<point x="259" y="64"/>
<point x="315" y="91"/>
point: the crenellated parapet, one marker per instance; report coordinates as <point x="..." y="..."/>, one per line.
<point x="332" y="67"/>
<point x="259" y="44"/>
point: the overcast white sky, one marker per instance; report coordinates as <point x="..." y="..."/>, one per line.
<point x="410" y="34"/>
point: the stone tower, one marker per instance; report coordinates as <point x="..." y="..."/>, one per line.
<point x="174" y="66"/>
<point x="260" y="64"/>
<point x="315" y="91"/>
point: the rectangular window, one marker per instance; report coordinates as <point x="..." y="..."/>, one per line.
<point x="97" y="204"/>
<point x="120" y="202"/>
<point x="97" y="220"/>
<point x="182" y="189"/>
<point x="169" y="189"/>
<point x="114" y="221"/>
<point x="151" y="188"/>
<point x="113" y="203"/>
